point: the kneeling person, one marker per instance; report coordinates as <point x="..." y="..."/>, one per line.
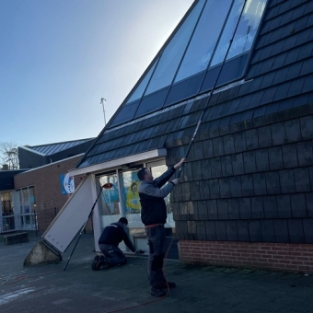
<point x="109" y="240"/>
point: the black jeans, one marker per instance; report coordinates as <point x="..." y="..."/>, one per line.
<point x="113" y="255"/>
<point x="156" y="241"/>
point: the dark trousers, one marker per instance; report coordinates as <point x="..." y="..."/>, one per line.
<point x="156" y="241"/>
<point x="113" y="255"/>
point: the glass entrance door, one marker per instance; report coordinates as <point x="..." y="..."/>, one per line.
<point x="7" y="211"/>
<point x="110" y="199"/>
<point x="131" y="198"/>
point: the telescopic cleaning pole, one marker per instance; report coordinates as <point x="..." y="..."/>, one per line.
<point x="105" y="186"/>
<point x="213" y="89"/>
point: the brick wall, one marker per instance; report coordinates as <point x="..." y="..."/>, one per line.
<point x="249" y="188"/>
<point x="269" y="256"/>
<point x="46" y="182"/>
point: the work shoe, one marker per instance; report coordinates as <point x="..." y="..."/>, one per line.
<point x="155" y="292"/>
<point x="168" y="284"/>
<point x="94" y="265"/>
<point x="102" y="263"/>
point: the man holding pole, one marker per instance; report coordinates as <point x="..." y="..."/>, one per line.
<point x="153" y="215"/>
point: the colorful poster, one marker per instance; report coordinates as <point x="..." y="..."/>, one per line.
<point x="132" y="198"/>
<point x="67" y="184"/>
<point x="131" y="184"/>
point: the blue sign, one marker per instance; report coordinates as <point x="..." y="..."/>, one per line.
<point x="67" y="184"/>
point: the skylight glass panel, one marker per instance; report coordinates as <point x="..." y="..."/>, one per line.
<point x="190" y="61"/>
<point x="137" y="94"/>
<point x="247" y="27"/>
<point x="204" y="40"/>
<point x="174" y="51"/>
<point x="246" y="31"/>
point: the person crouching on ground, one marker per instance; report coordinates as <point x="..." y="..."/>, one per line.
<point x="153" y="215"/>
<point x="109" y="240"/>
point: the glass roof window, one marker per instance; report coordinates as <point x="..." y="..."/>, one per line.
<point x="173" y="53"/>
<point x="193" y="58"/>
<point x="170" y="58"/>
<point x="128" y="110"/>
<point x="246" y="31"/>
<point x="138" y="92"/>
<point x="203" y="42"/>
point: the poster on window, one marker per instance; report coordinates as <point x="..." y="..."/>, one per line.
<point x="67" y="184"/>
<point x="110" y="197"/>
<point x="131" y="184"/>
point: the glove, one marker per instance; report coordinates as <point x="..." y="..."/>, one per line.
<point x="139" y="251"/>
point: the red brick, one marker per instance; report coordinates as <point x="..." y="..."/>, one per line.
<point x="295" y="261"/>
<point x="285" y="261"/>
<point x="302" y="258"/>
<point x="305" y="268"/>
<point x="308" y="254"/>
<point x="286" y="257"/>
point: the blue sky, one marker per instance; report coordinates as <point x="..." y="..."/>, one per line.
<point x="58" y="58"/>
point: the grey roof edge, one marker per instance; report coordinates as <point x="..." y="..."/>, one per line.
<point x="31" y="150"/>
<point x="61" y="142"/>
<point x="114" y="163"/>
<point x="12" y="171"/>
<point x="52" y="163"/>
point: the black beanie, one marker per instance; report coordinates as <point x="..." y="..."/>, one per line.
<point x="123" y="220"/>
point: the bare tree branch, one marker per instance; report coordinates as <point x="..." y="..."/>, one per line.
<point x="9" y="155"/>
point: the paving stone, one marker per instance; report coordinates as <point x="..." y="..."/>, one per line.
<point x="199" y="289"/>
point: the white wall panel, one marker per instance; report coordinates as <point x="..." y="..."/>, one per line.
<point x="72" y="216"/>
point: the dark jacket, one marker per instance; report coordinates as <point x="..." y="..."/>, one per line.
<point x="153" y="207"/>
<point x="113" y="234"/>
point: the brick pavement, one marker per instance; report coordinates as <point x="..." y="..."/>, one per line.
<point x="200" y="288"/>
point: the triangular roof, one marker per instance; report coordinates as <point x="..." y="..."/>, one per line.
<point x="273" y="75"/>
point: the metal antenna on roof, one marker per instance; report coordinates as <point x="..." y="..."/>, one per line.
<point x="101" y="102"/>
<point x="213" y="89"/>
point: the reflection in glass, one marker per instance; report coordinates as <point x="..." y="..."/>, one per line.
<point x="247" y="27"/>
<point x="7" y="211"/>
<point x="110" y="197"/>
<point x="246" y="30"/>
<point x="125" y="114"/>
<point x="204" y="39"/>
<point x="8" y="223"/>
<point x="110" y="200"/>
<point x="173" y="52"/>
<point x="27" y="204"/>
<point x="142" y="86"/>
